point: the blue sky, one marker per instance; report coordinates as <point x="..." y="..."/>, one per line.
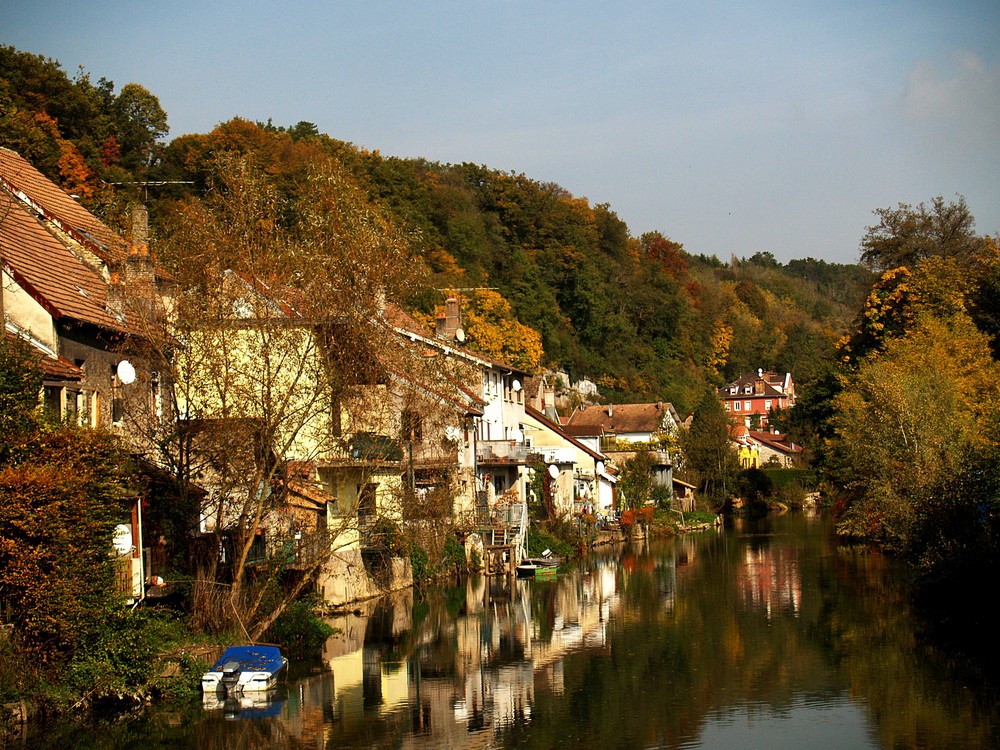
<point x="731" y="127"/>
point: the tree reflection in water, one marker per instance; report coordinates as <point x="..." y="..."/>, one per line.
<point x="765" y="634"/>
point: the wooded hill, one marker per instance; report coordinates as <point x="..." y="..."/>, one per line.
<point x="556" y="282"/>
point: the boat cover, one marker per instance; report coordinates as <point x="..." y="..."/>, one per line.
<point x="252" y="658"/>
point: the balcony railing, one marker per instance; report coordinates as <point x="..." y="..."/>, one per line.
<point x="501" y="452"/>
<point x="303" y="550"/>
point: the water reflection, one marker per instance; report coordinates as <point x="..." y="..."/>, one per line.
<point x="761" y="635"/>
<point x="467" y="661"/>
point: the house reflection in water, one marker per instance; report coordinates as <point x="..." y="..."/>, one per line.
<point x="456" y="669"/>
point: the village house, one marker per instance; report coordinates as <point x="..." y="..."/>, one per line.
<point x="747" y="450"/>
<point x="501" y="451"/>
<point x="79" y="295"/>
<point x="619" y="430"/>
<point x="583" y="481"/>
<point x="775" y="449"/>
<point x="374" y="433"/>
<point x="610" y="427"/>
<point x="752" y="397"/>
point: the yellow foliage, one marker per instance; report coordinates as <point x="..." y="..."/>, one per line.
<point x="492" y="329"/>
<point x="722" y="339"/>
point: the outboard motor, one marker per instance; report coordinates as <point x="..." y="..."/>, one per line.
<point x="231" y="675"/>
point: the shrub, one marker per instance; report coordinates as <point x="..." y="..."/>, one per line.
<point x="120" y="658"/>
<point x="627" y="519"/>
<point x="454" y="555"/>
<point x="299" y="631"/>
<point x="57" y="513"/>
<point x="419" y="563"/>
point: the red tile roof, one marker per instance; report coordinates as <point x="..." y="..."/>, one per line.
<point x="54" y="368"/>
<point x="776" y="441"/>
<point x="45" y="268"/>
<point x="17" y="174"/>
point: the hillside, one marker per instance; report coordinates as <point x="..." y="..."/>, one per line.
<point x="638" y="315"/>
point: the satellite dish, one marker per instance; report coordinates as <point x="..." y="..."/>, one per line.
<point x="459" y="335"/>
<point x="516" y="385"/>
<point x="126" y="372"/>
<point x="553" y="471"/>
<point x="122" y="539"/>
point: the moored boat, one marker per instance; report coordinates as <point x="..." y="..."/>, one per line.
<point x="244" y="669"/>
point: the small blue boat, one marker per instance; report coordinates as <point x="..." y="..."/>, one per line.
<point x="244" y="669"/>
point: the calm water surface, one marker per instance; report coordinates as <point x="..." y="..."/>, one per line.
<point x="765" y="635"/>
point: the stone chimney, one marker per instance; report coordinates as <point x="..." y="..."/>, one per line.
<point x="448" y="324"/>
<point x="135" y="284"/>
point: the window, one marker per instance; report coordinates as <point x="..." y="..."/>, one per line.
<point x="736" y="405"/>
<point x="412" y="425"/>
<point x="767" y="406"/>
<point x="86" y="403"/>
<point x="53" y="402"/>
<point x="366" y="499"/>
<point x="746" y="406"/>
<point x="72" y="398"/>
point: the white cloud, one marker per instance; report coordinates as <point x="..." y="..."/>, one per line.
<point x="964" y="94"/>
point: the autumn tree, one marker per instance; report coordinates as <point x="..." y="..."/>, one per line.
<point x="61" y="495"/>
<point x="915" y="423"/>
<point x="493" y="330"/>
<point x="271" y="328"/>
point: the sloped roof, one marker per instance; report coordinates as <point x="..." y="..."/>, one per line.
<point x="559" y="430"/>
<point x="53" y="367"/>
<point x="617" y="418"/>
<point x="47" y="197"/>
<point x="46" y="269"/>
<point x="773" y="386"/>
<point x="738" y="432"/>
<point x="405" y="325"/>
<point x="775" y="441"/>
<point x="459" y="399"/>
<point x="401" y="320"/>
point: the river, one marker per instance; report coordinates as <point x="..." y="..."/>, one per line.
<point x="766" y="634"/>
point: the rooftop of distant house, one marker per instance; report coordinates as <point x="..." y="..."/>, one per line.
<point x="620" y="419"/>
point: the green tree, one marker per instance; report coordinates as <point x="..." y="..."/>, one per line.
<point x="635" y="482"/>
<point x="908" y="234"/>
<point x="140" y="122"/>
<point x="708" y="451"/>
<point x="20" y="384"/>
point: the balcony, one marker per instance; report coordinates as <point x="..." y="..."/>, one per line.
<point x="302" y="551"/>
<point x="366" y="449"/>
<point x="497" y="452"/>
